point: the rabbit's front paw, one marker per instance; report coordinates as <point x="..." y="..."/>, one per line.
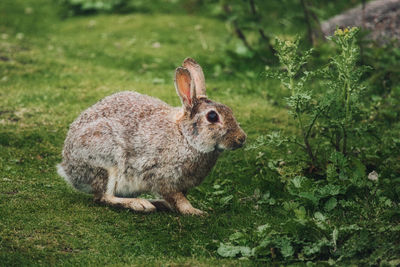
<point x="191" y="211"/>
<point x="141" y="205"/>
<point x="182" y="205"/>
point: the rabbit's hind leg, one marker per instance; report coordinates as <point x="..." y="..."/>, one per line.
<point x="135" y="204"/>
<point x="108" y="197"/>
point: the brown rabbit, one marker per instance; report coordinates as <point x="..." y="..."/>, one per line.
<point x="129" y="143"/>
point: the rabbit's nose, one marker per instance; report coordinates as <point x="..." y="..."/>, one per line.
<point x="240" y="140"/>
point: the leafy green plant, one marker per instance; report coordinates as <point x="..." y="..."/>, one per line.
<point x="331" y="119"/>
<point x="323" y="164"/>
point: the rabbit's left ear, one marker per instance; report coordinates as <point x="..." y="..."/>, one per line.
<point x="198" y="76"/>
<point x="185" y="87"/>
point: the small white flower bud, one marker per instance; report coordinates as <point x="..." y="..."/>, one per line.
<point x="373" y="176"/>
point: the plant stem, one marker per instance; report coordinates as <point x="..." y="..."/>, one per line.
<point x="347" y="103"/>
<point x="305" y="134"/>
<point x="344" y="141"/>
<point x="305" y="138"/>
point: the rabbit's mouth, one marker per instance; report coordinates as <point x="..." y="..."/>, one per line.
<point x="231" y="146"/>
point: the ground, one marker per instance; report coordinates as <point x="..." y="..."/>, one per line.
<point x="265" y="205"/>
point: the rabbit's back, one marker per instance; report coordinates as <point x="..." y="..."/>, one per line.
<point x="113" y="123"/>
<point x="125" y="107"/>
<point x="109" y="125"/>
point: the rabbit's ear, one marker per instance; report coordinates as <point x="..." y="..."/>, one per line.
<point x="198" y="76"/>
<point x="185" y="87"/>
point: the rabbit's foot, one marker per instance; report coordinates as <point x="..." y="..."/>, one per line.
<point x="191" y="211"/>
<point x="140" y="204"/>
<point x="135" y="204"/>
<point x="182" y="205"/>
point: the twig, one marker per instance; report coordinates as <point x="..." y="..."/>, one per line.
<point x="312" y="123"/>
<point x="253" y="7"/>
<point x="314" y="31"/>
<point x="297" y="143"/>
<point x="237" y="29"/>
<point x="308" y="21"/>
<point x="241" y="35"/>
<point x="305" y="140"/>
<point x="260" y="30"/>
<point x="317" y="29"/>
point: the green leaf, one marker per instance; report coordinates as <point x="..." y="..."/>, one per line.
<point x="219" y="192"/>
<point x="314" y="248"/>
<point x="335" y="235"/>
<point x="360" y="169"/>
<point x="262" y="228"/>
<point x="319" y="216"/>
<point x="237" y="238"/>
<point x="285" y="247"/>
<point x="330" y="204"/>
<point x="297" y="181"/>
<point x="301" y="213"/>
<point x="228" y="251"/>
<point x="216" y="186"/>
<point x="246" y="251"/>
<point x="225" y="200"/>
<point x="309" y="196"/>
<point x="257" y="193"/>
<point x="329" y="190"/>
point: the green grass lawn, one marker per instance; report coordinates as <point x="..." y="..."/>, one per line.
<point x="52" y="70"/>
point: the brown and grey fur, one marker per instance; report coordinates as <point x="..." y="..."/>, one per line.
<point x="129" y="143"/>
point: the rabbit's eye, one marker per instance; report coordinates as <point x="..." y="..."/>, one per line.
<point x="212" y="116"/>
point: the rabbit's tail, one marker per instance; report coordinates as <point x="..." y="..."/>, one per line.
<point x="63" y="174"/>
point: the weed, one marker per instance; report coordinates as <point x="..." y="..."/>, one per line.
<point x="322" y="167"/>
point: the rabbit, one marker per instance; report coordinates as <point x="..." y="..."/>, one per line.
<point x="129" y="143"/>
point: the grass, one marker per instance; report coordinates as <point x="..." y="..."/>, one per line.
<point x="49" y="72"/>
<point x="52" y="68"/>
